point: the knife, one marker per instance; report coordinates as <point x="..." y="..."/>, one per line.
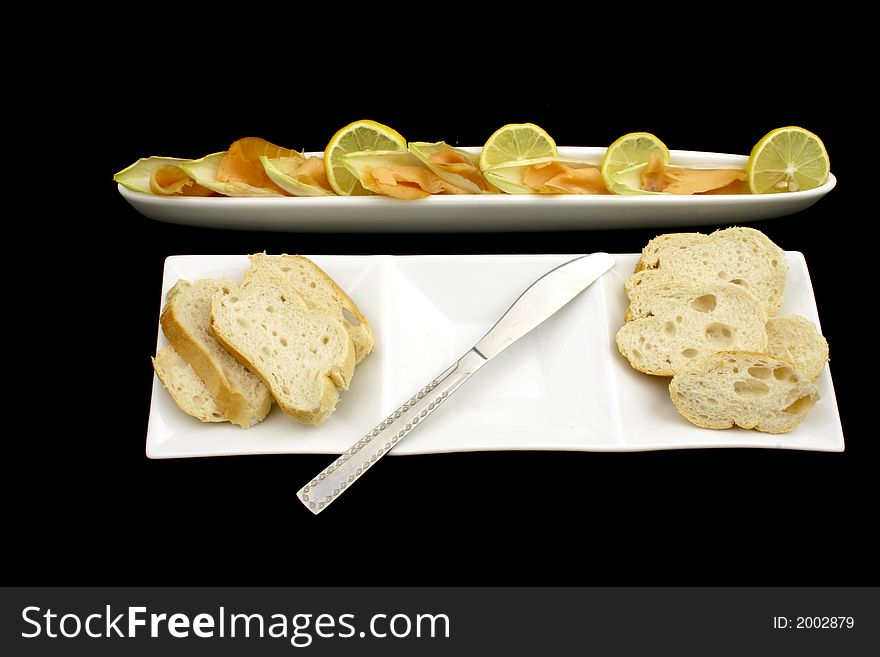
<point x="539" y="301"/>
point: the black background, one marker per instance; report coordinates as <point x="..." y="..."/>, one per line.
<point x="96" y="508"/>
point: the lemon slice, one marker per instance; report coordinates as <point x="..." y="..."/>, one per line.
<point x="787" y="160"/>
<point x="355" y="137"/>
<point x="627" y="158"/>
<point x="517" y="141"/>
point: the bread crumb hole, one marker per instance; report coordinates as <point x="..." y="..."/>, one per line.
<point x="678" y="319"/>
<point x="760" y="372"/>
<point x="283" y="298"/>
<point x="283" y="342"/>
<point x="216" y="415"/>
<point x="719" y="333"/>
<point x="266" y="350"/>
<point x="735" y="370"/>
<point x="722" y="275"/>
<point x="689" y="353"/>
<point x="313" y="285"/>
<point x="751" y="388"/>
<point x="350" y="317"/>
<point x="270" y="309"/>
<point x="325" y="340"/>
<point x="242" y="322"/>
<point x="785" y="374"/>
<point x="704" y="304"/>
<point x="197" y="399"/>
<point x="739" y="281"/>
<point x="274" y="334"/>
<point x="801" y="405"/>
<point x="285" y="269"/>
<point x="669" y="328"/>
<point x="234" y="299"/>
<point x="637" y="355"/>
<point x="285" y="390"/>
<point x="774" y="262"/>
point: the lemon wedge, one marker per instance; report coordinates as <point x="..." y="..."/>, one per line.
<point x="517" y="141"/>
<point x="354" y="138"/>
<point x="787" y="160"/>
<point x="627" y="159"/>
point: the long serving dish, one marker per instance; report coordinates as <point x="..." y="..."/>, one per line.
<point x="484" y="212"/>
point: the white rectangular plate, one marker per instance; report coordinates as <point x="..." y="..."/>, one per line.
<point x="482" y="212"/>
<point x="564" y="386"/>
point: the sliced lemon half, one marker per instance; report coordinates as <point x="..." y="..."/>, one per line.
<point x="788" y="159"/>
<point x="357" y="137"/>
<point x="514" y="142"/>
<point x="627" y="158"/>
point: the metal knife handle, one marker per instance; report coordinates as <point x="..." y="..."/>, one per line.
<point x="321" y="491"/>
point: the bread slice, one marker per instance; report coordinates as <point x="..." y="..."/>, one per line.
<point x="752" y="391"/>
<point x="795" y="339"/>
<point x="743" y="256"/>
<point x="672" y="324"/>
<point x="302" y="355"/>
<point x="320" y="292"/>
<point x="186" y="322"/>
<point x="185" y="387"/>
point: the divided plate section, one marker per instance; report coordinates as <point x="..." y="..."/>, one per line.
<point x="648" y="417"/>
<point x="546" y="391"/>
<point x="172" y="433"/>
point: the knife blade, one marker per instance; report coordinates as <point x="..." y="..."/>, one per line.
<point x="539" y="301"/>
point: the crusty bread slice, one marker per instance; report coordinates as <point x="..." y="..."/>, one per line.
<point x="795" y="339"/>
<point x="752" y="391"/>
<point x="185" y="387"/>
<point x="302" y="355"/>
<point x="320" y="292"/>
<point x="743" y="256"/>
<point x="186" y="322"/>
<point x="672" y="323"/>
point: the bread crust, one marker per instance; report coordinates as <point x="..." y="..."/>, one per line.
<point x="234" y="404"/>
<point x="209" y="412"/>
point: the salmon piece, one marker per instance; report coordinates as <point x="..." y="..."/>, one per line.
<point x="657" y="177"/>
<point x="407" y="182"/>
<point x="700" y="181"/>
<point x="736" y="187"/>
<point x="454" y="162"/>
<point x="169" y="180"/>
<point x="309" y="171"/>
<point x="242" y="163"/>
<point x="563" y="178"/>
<point x="653" y="176"/>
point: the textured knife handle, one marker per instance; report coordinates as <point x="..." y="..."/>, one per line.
<point x="345" y="470"/>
